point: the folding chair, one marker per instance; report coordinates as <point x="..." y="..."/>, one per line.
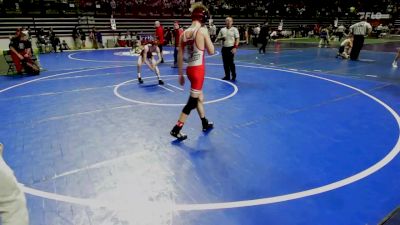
<point x="9" y="61"/>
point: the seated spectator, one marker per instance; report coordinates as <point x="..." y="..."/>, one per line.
<point x="99" y="38"/>
<point x="310" y="34"/>
<point x="128" y="38"/>
<point x="76" y="36"/>
<point x="134" y="38"/>
<point x="83" y="37"/>
<point x="64" y="46"/>
<point x="54" y="40"/>
<point x="21" y="54"/>
<point x="121" y="40"/>
<point x="43" y="42"/>
<point x="274" y="35"/>
<point x="137" y="47"/>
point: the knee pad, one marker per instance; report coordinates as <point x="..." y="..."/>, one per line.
<point x="190" y="105"/>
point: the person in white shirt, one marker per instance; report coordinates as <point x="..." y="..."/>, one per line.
<point x="274" y="35"/>
<point x="229" y="36"/>
<point x="359" y="30"/>
<point x="13" y="209"/>
<point x="256" y="32"/>
<point x="213" y="31"/>
<point x="379" y="30"/>
<point x="340" y="31"/>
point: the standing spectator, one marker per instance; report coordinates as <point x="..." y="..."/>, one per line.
<point x="99" y="39"/>
<point x="93" y="38"/>
<point x="76" y="36"/>
<point x="379" y="30"/>
<point x="256" y="32"/>
<point x="54" y="40"/>
<point x="241" y="33"/>
<point x="359" y="30"/>
<point x="212" y="31"/>
<point x="263" y="38"/>
<point x="317" y="28"/>
<point x="160" y="38"/>
<point x="177" y="33"/>
<point x="113" y="6"/>
<point x="324" y="37"/>
<point x="83" y="37"/>
<point x="13" y="209"/>
<point x="340" y="31"/>
<point x="229" y="36"/>
<point x="21" y="54"/>
<point x="128" y="6"/>
<point x="246" y="34"/>
<point x="168" y="36"/>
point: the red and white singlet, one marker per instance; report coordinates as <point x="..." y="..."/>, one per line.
<point x="196" y="68"/>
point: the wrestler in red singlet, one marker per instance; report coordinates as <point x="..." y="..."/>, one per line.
<point x="195" y="69"/>
<point x="194" y="40"/>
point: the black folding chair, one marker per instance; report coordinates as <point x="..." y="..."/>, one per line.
<point x="9" y="61"/>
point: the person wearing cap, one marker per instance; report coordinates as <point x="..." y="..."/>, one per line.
<point x="195" y="40"/>
<point x="177" y="34"/>
<point x="13" y="210"/>
<point x="229" y="36"/>
<point x="21" y="54"/>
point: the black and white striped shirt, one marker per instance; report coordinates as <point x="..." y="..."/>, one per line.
<point x="361" y="28"/>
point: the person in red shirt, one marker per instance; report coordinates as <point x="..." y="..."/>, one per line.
<point x="177" y="34"/>
<point x="160" y="38"/>
<point x="21" y="54"/>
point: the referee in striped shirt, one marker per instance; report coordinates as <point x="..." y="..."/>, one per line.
<point x="229" y="36"/>
<point x="359" y="30"/>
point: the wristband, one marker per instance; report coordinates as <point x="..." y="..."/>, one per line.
<point x="235" y="46"/>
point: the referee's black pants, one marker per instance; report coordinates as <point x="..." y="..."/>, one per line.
<point x="264" y="42"/>
<point x="358" y="43"/>
<point x="229" y="65"/>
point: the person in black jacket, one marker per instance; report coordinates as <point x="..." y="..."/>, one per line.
<point x="263" y="37"/>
